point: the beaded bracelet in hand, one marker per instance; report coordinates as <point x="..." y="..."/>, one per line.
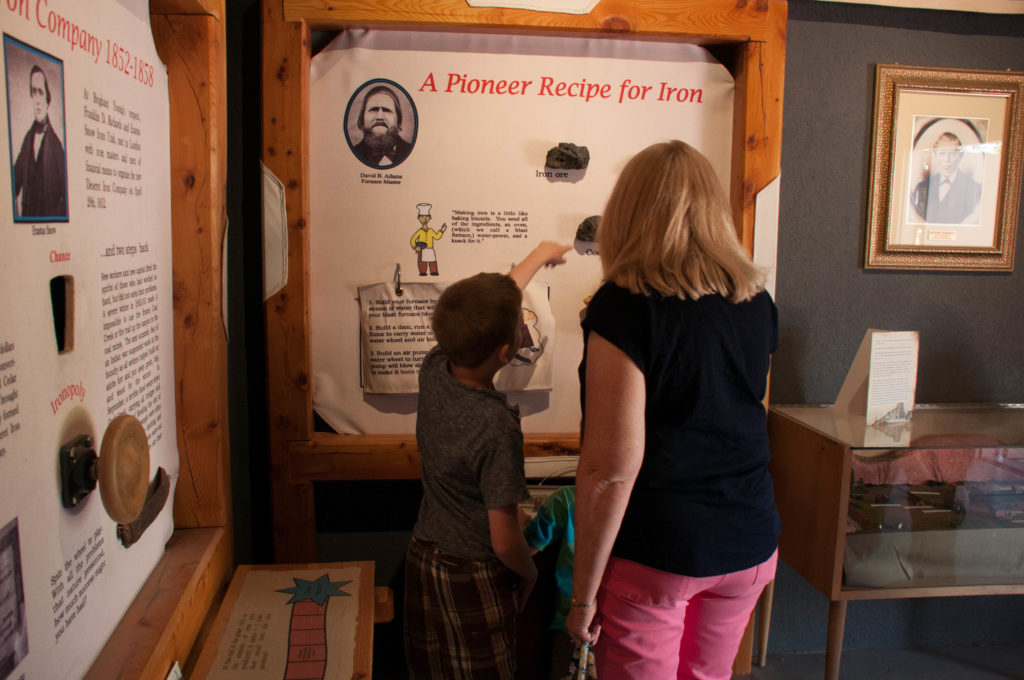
<point x="578" y="605"/>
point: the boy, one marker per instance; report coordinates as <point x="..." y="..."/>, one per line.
<point x="468" y="556"/>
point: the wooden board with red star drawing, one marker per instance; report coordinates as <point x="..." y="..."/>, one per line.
<point x="293" y="622"/>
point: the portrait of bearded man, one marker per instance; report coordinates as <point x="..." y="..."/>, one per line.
<point x="381" y="123"/>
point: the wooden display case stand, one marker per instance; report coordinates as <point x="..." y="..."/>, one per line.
<point x="811" y="471"/>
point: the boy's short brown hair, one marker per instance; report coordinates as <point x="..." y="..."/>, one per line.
<point x="475" y="316"/>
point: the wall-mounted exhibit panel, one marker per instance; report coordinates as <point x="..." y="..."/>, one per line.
<point x="88" y="454"/>
<point x="99" y="329"/>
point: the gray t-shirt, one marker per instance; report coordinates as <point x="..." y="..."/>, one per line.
<point x="471" y="460"/>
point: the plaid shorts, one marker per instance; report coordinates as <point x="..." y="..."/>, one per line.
<point x="460" y="616"/>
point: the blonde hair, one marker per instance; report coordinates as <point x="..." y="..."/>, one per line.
<point x="475" y="316"/>
<point x="667" y="229"/>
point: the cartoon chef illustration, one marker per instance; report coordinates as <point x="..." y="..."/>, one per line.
<point x="423" y="241"/>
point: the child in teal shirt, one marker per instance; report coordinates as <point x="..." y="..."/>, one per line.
<point x="555" y="521"/>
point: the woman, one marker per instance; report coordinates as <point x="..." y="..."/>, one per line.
<point x="676" y="520"/>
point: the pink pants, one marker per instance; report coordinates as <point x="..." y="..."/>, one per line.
<point x="661" y="626"/>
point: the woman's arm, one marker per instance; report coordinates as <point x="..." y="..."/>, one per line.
<point x="613" y="448"/>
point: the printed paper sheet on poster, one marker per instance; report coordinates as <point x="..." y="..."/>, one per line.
<point x="396" y="334"/>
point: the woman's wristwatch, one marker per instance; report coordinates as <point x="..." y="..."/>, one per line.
<point x="579" y="605"/>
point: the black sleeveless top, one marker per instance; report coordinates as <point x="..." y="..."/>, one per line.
<point x="703" y="503"/>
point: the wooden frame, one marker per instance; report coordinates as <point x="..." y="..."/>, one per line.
<point x="167" y="617"/>
<point x="931" y="124"/>
<point x="748" y="37"/>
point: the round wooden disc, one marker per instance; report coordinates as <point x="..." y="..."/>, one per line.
<point x="123" y="468"/>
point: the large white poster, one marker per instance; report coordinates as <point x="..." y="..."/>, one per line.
<point x="85" y="337"/>
<point x="450" y="154"/>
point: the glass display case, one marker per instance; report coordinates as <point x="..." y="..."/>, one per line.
<point x="930" y="506"/>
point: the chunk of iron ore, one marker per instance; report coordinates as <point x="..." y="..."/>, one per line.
<point x="568" y="156"/>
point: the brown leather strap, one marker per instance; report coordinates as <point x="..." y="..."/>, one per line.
<point x="156" y="498"/>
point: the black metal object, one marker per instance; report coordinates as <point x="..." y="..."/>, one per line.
<point x="77" y="470"/>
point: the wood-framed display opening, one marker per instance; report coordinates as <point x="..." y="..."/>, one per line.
<point x="748" y="38"/>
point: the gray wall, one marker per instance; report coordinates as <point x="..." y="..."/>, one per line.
<point x="970" y="324"/>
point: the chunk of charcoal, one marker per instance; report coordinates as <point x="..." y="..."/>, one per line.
<point x="587" y="231"/>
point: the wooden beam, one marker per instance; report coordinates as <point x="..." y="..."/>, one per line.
<point x="925" y="590"/>
<point x="192" y="47"/>
<point x="162" y="623"/>
<point x="377" y="457"/>
<point x="211" y="8"/>
<point x="285" y="152"/>
<point x="383" y="604"/>
<point x="704" y="21"/>
<point x="355" y="457"/>
<point x="757" y="121"/>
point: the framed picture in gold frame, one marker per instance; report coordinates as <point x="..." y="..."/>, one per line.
<point x="945" y="168"/>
